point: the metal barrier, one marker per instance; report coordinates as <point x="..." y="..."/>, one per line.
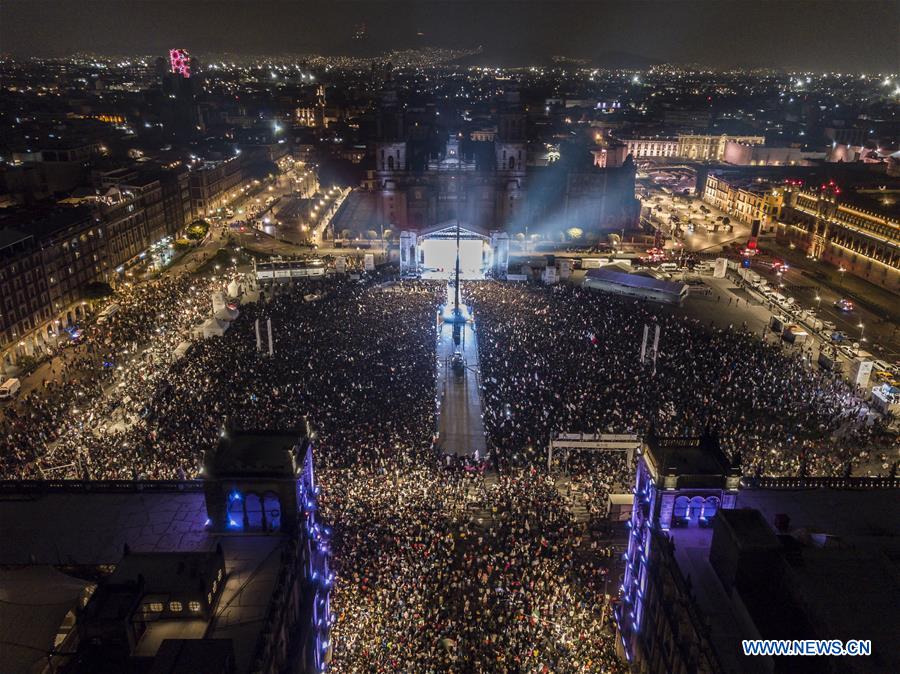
<point x="99" y="486"/>
<point x="821" y="483"/>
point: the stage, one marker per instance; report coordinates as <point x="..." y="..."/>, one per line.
<point x="439" y="257"/>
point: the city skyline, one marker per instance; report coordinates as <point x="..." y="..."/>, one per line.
<point x="612" y="34"/>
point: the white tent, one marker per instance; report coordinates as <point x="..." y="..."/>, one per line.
<point x="234" y="289"/>
<point x="180" y="350"/>
<point x="213" y="327"/>
<point x="218" y="300"/>
<point x="227" y="314"/>
<point x="34" y="603"/>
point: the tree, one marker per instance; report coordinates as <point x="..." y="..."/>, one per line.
<point x="197" y="230"/>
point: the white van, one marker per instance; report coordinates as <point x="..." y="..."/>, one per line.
<point x="9" y="389"/>
<point x="108" y="311"/>
<point x="668" y="266"/>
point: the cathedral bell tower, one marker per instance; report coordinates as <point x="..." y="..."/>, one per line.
<point x="510" y="146"/>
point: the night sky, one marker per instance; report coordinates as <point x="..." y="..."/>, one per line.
<point x="858" y="35"/>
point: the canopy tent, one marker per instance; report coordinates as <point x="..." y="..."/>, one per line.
<point x="181" y="349"/>
<point x="234" y="289"/>
<point x="34" y="604"/>
<point x="227" y="313"/>
<point x="213" y="327"/>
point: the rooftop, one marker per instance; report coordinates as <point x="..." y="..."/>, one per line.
<point x="839" y="562"/>
<point x="45" y="220"/>
<point x="254" y="454"/>
<point x="635" y="280"/>
<point x="89" y="529"/>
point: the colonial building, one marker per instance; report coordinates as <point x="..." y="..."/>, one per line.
<point x="234" y="575"/>
<point x="50" y="255"/>
<point x="745" y="198"/>
<point x="753" y="154"/>
<point x="681" y="485"/>
<point x="690" y="147"/>
<point x="213" y="184"/>
<point x="47" y="256"/>
<point x="857" y="232"/>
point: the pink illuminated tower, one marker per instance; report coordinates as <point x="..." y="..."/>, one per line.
<point x="180" y="61"/>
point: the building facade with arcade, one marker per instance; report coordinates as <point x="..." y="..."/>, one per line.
<point x="859" y="233"/>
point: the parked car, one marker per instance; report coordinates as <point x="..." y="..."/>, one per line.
<point x="843" y="304"/>
<point x="881" y="365"/>
<point x="9" y="388"/>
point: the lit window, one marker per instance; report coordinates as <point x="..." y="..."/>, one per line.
<point x="215" y="585"/>
<point x="155" y="606"/>
<point x="194" y="606"/>
<point x="209" y="598"/>
<point x="219" y="577"/>
<point x="175" y="606"/>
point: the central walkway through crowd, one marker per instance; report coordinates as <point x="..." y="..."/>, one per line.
<point x="460" y="424"/>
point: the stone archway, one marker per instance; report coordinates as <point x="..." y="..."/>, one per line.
<point x="695" y="509"/>
<point x="680" y="509"/>
<point x="710" y="508"/>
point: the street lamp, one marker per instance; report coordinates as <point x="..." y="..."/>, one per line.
<point x="842" y="271"/>
<point x="862" y="329"/>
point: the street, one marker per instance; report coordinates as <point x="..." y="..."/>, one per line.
<point x="680" y="214"/>
<point x="875" y="332"/>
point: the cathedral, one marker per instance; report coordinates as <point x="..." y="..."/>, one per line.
<point x="426" y="174"/>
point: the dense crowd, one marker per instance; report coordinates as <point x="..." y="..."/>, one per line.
<point x="89" y="416"/>
<point x="440" y="568"/>
<point x="567" y="359"/>
<point x="449" y="572"/>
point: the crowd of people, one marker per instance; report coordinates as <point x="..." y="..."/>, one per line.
<point x="568" y="359"/>
<point x="440" y="569"/>
<point x="90" y="416"/>
<point x="446" y="571"/>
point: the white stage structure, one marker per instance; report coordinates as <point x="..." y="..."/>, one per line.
<point x="434" y="251"/>
<point x="601" y="442"/>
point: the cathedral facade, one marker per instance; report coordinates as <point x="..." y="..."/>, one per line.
<point x="425" y="175"/>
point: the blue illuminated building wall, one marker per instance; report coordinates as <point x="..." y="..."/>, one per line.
<point x="318" y="558"/>
<point x="630" y="610"/>
<point x="680" y="484"/>
<point x="264" y="484"/>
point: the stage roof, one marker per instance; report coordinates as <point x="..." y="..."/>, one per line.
<point x="449" y="229"/>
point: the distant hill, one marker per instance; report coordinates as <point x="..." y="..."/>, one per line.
<point x="613" y="60"/>
<point x="622" y="60"/>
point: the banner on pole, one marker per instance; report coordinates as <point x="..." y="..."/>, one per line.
<point x="644" y="343"/>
